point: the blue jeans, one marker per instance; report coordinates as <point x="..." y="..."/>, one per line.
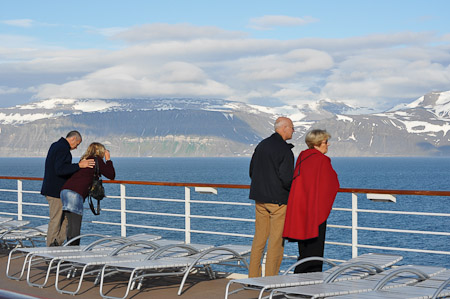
<point x="72" y="201"/>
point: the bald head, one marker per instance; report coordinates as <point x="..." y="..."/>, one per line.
<point x="284" y="127"/>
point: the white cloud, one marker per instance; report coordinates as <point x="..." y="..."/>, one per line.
<point x="25" y="23"/>
<point x="8" y="90"/>
<point x="269" y="22"/>
<point x="276" y="67"/>
<point x="383" y="74"/>
<point x="109" y="32"/>
<point x="192" y="61"/>
<point x="171" y="32"/>
<point x="124" y="81"/>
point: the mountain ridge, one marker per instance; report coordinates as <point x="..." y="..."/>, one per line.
<point x="185" y="127"/>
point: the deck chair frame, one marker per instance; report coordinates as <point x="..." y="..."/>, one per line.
<point x="287" y="279"/>
<point x="17" y="236"/>
<point x="431" y="288"/>
<point x="150" y="251"/>
<point x="392" y="278"/>
<point x="100" y="247"/>
<point x="25" y="253"/>
<point x="181" y="266"/>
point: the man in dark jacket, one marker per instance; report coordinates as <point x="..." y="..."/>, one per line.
<point x="58" y="169"/>
<point x="271" y="170"/>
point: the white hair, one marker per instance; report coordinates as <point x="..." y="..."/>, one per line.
<point x="280" y="122"/>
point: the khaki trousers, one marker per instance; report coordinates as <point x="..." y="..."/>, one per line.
<point x="57" y="225"/>
<point x="269" y="224"/>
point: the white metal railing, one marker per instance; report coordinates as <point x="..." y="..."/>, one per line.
<point x="188" y="215"/>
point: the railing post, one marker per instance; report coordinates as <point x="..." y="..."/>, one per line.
<point x="354" y="225"/>
<point x="123" y="214"/>
<point x="187" y="215"/>
<point x="19" y="200"/>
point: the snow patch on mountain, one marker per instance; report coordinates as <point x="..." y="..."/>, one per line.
<point x="436" y="102"/>
<point x="425" y="127"/>
<point x="48" y="104"/>
<point x="17" y="118"/>
<point x="344" y="118"/>
<point x="228" y="115"/>
<point x="442" y="107"/>
<point x="94" y="105"/>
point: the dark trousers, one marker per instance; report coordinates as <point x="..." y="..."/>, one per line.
<point x="309" y="248"/>
<point x="73" y="226"/>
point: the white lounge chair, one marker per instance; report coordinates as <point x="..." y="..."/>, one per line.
<point x="139" y="251"/>
<point x="98" y="248"/>
<point x="6" y="225"/>
<point x="434" y="287"/>
<point x="25" y="253"/>
<point x="5" y="219"/>
<point x="265" y="284"/>
<point x="391" y="278"/>
<point x="23" y="236"/>
<point x="170" y="266"/>
<point x="98" y="242"/>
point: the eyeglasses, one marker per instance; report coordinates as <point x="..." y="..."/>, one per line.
<point x="325" y="142"/>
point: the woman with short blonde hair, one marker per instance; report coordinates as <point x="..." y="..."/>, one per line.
<point x="313" y="190"/>
<point x="316" y="137"/>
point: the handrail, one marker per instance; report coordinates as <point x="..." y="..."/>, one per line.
<point x="238" y="186"/>
<point x="399" y="192"/>
<point x="190" y="215"/>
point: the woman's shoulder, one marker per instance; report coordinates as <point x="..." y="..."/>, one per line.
<point x="314" y="154"/>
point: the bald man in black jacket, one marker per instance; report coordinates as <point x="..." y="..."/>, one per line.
<point x="271" y="171"/>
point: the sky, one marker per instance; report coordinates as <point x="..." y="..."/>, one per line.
<point x="374" y="54"/>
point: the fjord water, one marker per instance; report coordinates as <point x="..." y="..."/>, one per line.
<point x="371" y="173"/>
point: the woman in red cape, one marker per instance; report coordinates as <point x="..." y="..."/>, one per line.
<point x="314" y="188"/>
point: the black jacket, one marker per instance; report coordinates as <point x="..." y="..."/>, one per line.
<point x="271" y="170"/>
<point x="58" y="168"/>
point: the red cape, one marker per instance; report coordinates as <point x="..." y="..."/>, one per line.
<point x="312" y="195"/>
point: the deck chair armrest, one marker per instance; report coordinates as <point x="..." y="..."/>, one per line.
<point x="440" y="289"/>
<point x="235" y="254"/>
<point x="420" y="274"/>
<point x="22" y="228"/>
<point x="149" y="244"/>
<point x="370" y="267"/>
<point x="163" y="249"/>
<point x="38" y="230"/>
<point x="12" y="229"/>
<point x="309" y="259"/>
<point x="99" y="242"/>
<point x="83" y="236"/>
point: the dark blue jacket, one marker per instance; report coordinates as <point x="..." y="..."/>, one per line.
<point x="271" y="170"/>
<point x="58" y="168"/>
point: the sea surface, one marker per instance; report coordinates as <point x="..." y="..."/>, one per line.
<point x="367" y="173"/>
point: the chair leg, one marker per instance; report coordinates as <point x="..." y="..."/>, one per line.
<point x="130" y="281"/>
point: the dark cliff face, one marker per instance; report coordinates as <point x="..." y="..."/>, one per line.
<point x="192" y="127"/>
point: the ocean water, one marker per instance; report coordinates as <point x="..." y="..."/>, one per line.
<point x="370" y="173"/>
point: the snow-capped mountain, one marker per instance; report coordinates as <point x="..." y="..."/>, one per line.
<point x="414" y="129"/>
<point x="215" y="127"/>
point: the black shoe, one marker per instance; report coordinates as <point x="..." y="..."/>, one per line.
<point x="55" y="243"/>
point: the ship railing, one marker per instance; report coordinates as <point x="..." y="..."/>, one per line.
<point x="188" y="215"/>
